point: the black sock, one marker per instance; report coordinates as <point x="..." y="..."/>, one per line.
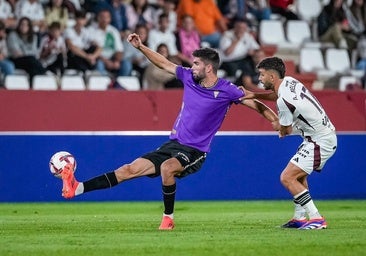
<point x="106" y="180"/>
<point x="169" y="198"/>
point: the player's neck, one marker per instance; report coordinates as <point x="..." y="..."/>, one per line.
<point x="209" y="82"/>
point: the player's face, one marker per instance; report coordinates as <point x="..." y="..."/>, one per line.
<point x="266" y="78"/>
<point x="198" y="69"/>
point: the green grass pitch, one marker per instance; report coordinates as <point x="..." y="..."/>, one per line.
<point x="202" y="228"/>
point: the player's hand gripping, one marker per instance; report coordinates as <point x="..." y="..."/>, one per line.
<point x="135" y="40"/>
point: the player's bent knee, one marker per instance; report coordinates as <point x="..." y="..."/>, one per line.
<point x="126" y="172"/>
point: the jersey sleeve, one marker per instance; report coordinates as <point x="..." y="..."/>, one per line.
<point x="284" y="113"/>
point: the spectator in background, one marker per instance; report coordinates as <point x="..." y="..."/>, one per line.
<point x="140" y="12"/>
<point x="139" y="60"/>
<point x="118" y="14"/>
<point x="356" y="16"/>
<point x="111" y="60"/>
<point x="333" y="26"/>
<point x="188" y="40"/>
<point x="6" y="66"/>
<point x="33" y="10"/>
<point x="163" y="35"/>
<point x="249" y="77"/>
<point x="283" y="8"/>
<point x="156" y="78"/>
<point x="56" y="12"/>
<point x="209" y="21"/>
<point x="260" y="9"/>
<point x="23" y="49"/>
<point x="53" y="49"/>
<point x="232" y="9"/>
<point x="7" y="16"/>
<point x="236" y="46"/>
<point x="82" y="50"/>
<point x="168" y="7"/>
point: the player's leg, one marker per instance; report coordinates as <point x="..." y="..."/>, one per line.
<point x="294" y="179"/>
<point x="293" y="182"/>
<point x="71" y="187"/>
<point x="169" y="169"/>
<point x="185" y="161"/>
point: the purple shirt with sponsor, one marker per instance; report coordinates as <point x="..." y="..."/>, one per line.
<point x="203" y="110"/>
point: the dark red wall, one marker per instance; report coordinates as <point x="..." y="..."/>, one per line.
<point x="151" y="111"/>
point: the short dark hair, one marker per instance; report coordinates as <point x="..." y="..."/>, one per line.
<point x="208" y="56"/>
<point x="273" y="63"/>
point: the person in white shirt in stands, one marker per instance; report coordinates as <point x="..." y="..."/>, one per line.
<point x="111" y="60"/>
<point x="6" y="15"/>
<point x="33" y="10"/>
<point x="82" y="50"/>
<point x="163" y="35"/>
<point x="236" y="46"/>
<point x="168" y="7"/>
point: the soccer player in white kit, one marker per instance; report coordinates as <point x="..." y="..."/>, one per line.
<point x="300" y="113"/>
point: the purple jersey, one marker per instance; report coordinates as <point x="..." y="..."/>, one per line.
<point x="203" y="110"/>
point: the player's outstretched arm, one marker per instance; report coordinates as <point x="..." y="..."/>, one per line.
<point x="264" y="110"/>
<point x="260" y="95"/>
<point x="156" y="58"/>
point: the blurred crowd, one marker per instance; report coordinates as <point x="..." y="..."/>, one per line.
<point x="89" y="37"/>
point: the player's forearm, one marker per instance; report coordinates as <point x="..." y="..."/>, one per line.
<point x="265" y="111"/>
<point x="156" y="58"/>
<point x="266" y="96"/>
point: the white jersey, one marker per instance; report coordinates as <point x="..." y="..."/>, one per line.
<point x="299" y="108"/>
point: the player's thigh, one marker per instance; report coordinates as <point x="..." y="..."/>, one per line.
<point x="139" y="167"/>
<point x="292" y="172"/>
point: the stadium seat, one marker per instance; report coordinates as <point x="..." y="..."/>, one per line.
<point x="72" y="83"/>
<point x="346" y="80"/>
<point x="130" y="83"/>
<point x="98" y="83"/>
<point x="272" y="32"/>
<point x="17" y="82"/>
<point x="308" y="10"/>
<point x="312" y="61"/>
<point x="337" y="60"/>
<point x="45" y="82"/>
<point x="298" y="31"/>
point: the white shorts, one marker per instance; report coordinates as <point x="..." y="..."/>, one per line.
<point x="312" y="155"/>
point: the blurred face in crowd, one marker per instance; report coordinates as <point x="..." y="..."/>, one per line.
<point x="24" y="26"/>
<point x="240" y="27"/>
<point x="188" y="23"/>
<point x="142" y="32"/>
<point x="164" y="23"/>
<point x="104" y="19"/>
<point x="163" y="50"/>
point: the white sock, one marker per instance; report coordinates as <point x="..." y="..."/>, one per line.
<point x="312" y="210"/>
<point x="300" y="212"/>
<point x="80" y="189"/>
<point x="169" y="215"/>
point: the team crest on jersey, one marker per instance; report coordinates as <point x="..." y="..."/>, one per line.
<point x="216" y="93"/>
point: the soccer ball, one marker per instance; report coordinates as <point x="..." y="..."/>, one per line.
<point x="58" y="162"/>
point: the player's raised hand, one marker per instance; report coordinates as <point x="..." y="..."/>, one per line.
<point x="135" y="40"/>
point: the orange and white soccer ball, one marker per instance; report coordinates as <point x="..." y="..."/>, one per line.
<point x="58" y="162"/>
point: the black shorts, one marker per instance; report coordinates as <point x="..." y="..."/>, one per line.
<point x="190" y="158"/>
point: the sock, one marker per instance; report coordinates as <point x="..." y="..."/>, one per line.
<point x="106" y="180"/>
<point x="300" y="213"/>
<point x="169" y="215"/>
<point x="304" y="199"/>
<point x="169" y="198"/>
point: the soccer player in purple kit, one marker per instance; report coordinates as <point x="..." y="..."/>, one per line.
<point x="206" y="100"/>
